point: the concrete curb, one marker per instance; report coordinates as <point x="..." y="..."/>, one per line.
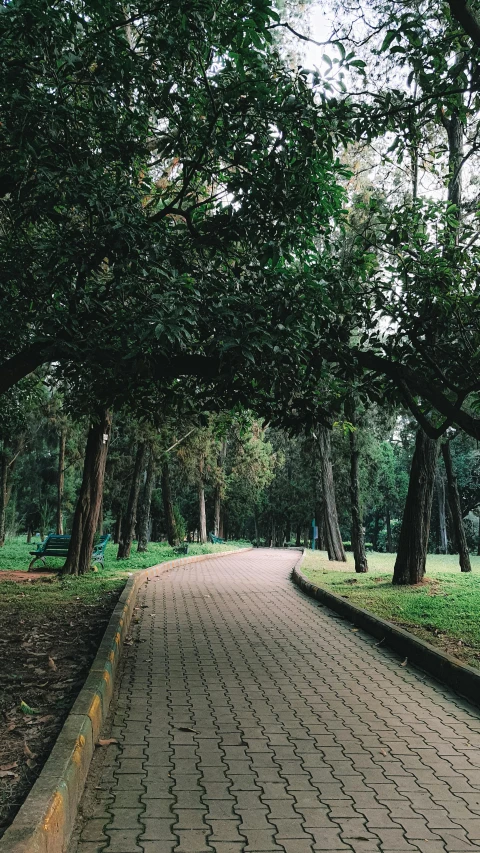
<point x="462" y="678"/>
<point x="45" y="821"/>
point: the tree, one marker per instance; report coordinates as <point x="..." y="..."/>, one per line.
<point x="85" y="519"/>
<point x="412" y="546"/>
<point x="456" y="509"/>
<point x="333" y="537"/>
<point x="358" y="541"/>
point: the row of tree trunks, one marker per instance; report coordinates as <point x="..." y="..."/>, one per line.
<point x="130" y="517"/>
<point x="172" y="533"/>
<point x="85" y="519"/>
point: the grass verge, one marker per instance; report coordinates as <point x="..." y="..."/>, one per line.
<point x="444" y="610"/>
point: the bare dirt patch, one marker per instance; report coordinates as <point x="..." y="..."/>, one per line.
<point x="44" y="660"/>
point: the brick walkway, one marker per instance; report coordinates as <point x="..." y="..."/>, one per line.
<point x="251" y="719"/>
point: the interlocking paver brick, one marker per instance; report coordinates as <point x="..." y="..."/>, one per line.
<point x="252" y="720"/>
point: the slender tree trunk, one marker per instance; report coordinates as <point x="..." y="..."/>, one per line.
<point x="222" y="526"/>
<point x="333" y="536"/>
<point x="413" y="541"/>
<point x="87" y="510"/>
<point x="358" y="540"/>
<point x="144" y="520"/>
<point x="376" y="529"/>
<point x="478" y="543"/>
<point x="29" y="535"/>
<point x="388" y="522"/>
<point x="100" y="519"/>
<point x="3" y="495"/>
<point x="201" y="504"/>
<point x="118" y="528"/>
<point x="130" y="518"/>
<point x="172" y="534"/>
<point x="442" y="519"/>
<point x="298" y="540"/>
<point x="216" y="510"/>
<point x="456" y="507"/>
<point x="62" y="440"/>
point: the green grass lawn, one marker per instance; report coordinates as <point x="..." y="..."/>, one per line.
<point x="444" y="610"/>
<point x="15" y="555"/>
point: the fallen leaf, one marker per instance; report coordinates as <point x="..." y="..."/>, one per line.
<point x="185" y="729"/>
<point x="52" y="664"/>
<point x="106" y="741"/>
<point x="30" y="762"/>
<point x="11" y="727"/>
<point x="404" y="662"/>
<point x="26" y="709"/>
<point x="355" y="629"/>
<point x="5" y="773"/>
<point x="383" y="752"/>
<point x="28" y="752"/>
<point x="45" y="719"/>
<point x="8" y="766"/>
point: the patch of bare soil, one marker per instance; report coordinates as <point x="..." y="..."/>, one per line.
<point x="27" y="577"/>
<point x="44" y="660"/>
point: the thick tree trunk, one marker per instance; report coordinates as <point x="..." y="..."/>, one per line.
<point x="29" y="535"/>
<point x="223" y="526"/>
<point x="201" y="503"/>
<point x="358" y="540"/>
<point x="456" y="508"/>
<point x="130" y="517"/>
<point x="146" y="502"/>
<point x="333" y="536"/>
<point x="62" y="440"/>
<point x="85" y="519"/>
<point x="442" y="519"/>
<point x="413" y="541"/>
<point x="3" y="495"/>
<point x="388" y="523"/>
<point x="172" y="534"/>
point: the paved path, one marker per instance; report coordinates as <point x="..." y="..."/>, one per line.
<point x="251" y="719"/>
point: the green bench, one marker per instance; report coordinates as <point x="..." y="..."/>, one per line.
<point x="181" y="549"/>
<point x="215" y="540"/>
<point x="57" y="546"/>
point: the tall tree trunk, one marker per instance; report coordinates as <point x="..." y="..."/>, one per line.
<point x="478" y="542"/>
<point x="146" y="502"/>
<point x="413" y="541"/>
<point x="388" y="522"/>
<point x="358" y="540"/>
<point x="456" y="507"/>
<point x="62" y="440"/>
<point x="87" y="510"/>
<point x="333" y="536"/>
<point x="217" y="505"/>
<point x="118" y="528"/>
<point x="29" y="535"/>
<point x="3" y="495"/>
<point x="201" y="503"/>
<point x="100" y="520"/>
<point x="376" y="529"/>
<point x="442" y="519"/>
<point x="130" y="517"/>
<point x="172" y="533"/>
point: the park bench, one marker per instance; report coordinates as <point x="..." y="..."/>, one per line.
<point x="57" y="546"/>
<point x="215" y="540"/>
<point x="181" y="549"/>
